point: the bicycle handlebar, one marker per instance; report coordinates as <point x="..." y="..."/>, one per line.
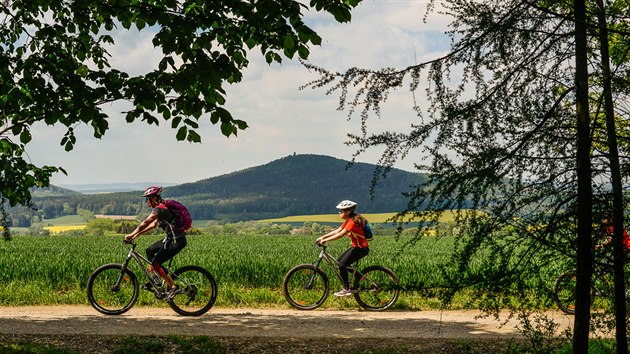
<point x="323" y="246"/>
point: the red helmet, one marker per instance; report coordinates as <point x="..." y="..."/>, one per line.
<point x="152" y="191"/>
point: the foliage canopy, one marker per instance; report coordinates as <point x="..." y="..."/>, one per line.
<point x="500" y="129"/>
<point x="55" y="67"/>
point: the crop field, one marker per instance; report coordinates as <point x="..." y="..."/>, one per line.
<point x="334" y="218"/>
<point x="249" y="269"/>
<point x="62" y="228"/>
<point x="66" y="220"/>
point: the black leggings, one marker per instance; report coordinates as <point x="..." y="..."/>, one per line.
<point x="350" y="256"/>
<point x="163" y="250"/>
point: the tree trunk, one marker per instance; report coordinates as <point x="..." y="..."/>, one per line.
<point x="615" y="171"/>
<point x="584" y="213"/>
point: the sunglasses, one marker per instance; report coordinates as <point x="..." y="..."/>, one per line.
<point x="343" y="211"/>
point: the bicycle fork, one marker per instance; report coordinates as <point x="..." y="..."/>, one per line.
<point x="121" y="276"/>
<point x="309" y="285"/>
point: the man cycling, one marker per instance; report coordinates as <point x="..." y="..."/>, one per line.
<point x="162" y="250"/>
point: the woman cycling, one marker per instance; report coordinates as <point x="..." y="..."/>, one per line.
<point x="353" y="228"/>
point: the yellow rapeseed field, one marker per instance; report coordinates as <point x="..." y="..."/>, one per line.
<point x="373" y="218"/>
<point x="61" y="228"/>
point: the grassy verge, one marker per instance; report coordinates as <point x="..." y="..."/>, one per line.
<point x="203" y="344"/>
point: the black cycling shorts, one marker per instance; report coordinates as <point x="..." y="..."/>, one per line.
<point x="163" y="250"/>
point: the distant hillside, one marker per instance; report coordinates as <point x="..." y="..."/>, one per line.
<point x="110" y="188"/>
<point x="52" y="191"/>
<point x="293" y="185"/>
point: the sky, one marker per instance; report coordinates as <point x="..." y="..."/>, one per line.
<point x="282" y="119"/>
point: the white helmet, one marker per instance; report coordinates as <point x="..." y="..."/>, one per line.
<point x="345" y="204"/>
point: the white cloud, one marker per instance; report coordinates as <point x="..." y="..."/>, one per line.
<point x="282" y="119"/>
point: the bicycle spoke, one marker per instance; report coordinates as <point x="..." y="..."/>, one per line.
<point x="197" y="291"/>
<point x="109" y="292"/>
<point x="564" y="292"/>
<point x="305" y="287"/>
<point x="377" y="288"/>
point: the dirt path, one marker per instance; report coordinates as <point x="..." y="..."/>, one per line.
<point x="282" y="325"/>
<point x="81" y="329"/>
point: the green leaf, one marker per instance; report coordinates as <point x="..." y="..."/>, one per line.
<point x="166" y="113"/>
<point x="193" y="137"/>
<point x="227" y="129"/>
<point x="25" y="137"/>
<point x="289" y="43"/>
<point x="140" y="24"/>
<point x="303" y="52"/>
<point x="289" y="53"/>
<point x="181" y="133"/>
<point x="16" y="129"/>
<point x="269" y="57"/>
<point x="316" y="39"/>
<point x="250" y="42"/>
<point x="215" y="117"/>
<point x="191" y="123"/>
<point x="242" y="125"/>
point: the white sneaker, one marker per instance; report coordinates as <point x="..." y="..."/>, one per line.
<point x="171" y="293"/>
<point x="343" y="292"/>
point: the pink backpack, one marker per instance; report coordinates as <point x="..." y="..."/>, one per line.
<point x="183" y="221"/>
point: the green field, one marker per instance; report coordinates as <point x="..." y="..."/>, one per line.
<point x="330" y="218"/>
<point x="67" y="220"/>
<point x="249" y="269"/>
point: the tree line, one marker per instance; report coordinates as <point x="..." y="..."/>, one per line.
<point x="293" y="185"/>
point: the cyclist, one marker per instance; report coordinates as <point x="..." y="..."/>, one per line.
<point x="607" y="233"/>
<point x="162" y="250"/>
<point x="352" y="227"/>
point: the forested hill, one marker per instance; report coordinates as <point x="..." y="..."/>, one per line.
<point x="293" y="185"/>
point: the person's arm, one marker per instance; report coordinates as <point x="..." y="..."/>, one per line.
<point x="606" y="235"/>
<point x="148" y="224"/>
<point x="333" y="235"/>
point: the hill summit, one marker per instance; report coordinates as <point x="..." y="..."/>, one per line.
<point x="294" y="185"/>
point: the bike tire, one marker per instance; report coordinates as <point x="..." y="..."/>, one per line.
<point x="377" y="289"/>
<point x="564" y="292"/>
<point x="198" y="291"/>
<point x="112" y="289"/>
<point x="305" y="287"/>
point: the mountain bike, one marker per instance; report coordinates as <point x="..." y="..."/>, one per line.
<point x="113" y="288"/>
<point x="306" y="286"/>
<point x="602" y="287"/>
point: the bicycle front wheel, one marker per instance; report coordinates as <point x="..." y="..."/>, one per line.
<point x="564" y="292"/>
<point x="377" y="288"/>
<point x="305" y="287"/>
<point x="112" y="289"/>
<point x="198" y="291"/>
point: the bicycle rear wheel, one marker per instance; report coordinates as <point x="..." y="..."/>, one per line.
<point x="564" y="292"/>
<point x="377" y="289"/>
<point x="112" y="289"/>
<point x="305" y="287"/>
<point x="198" y="291"/>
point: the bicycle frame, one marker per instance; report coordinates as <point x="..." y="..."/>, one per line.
<point x="333" y="264"/>
<point x="141" y="261"/>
